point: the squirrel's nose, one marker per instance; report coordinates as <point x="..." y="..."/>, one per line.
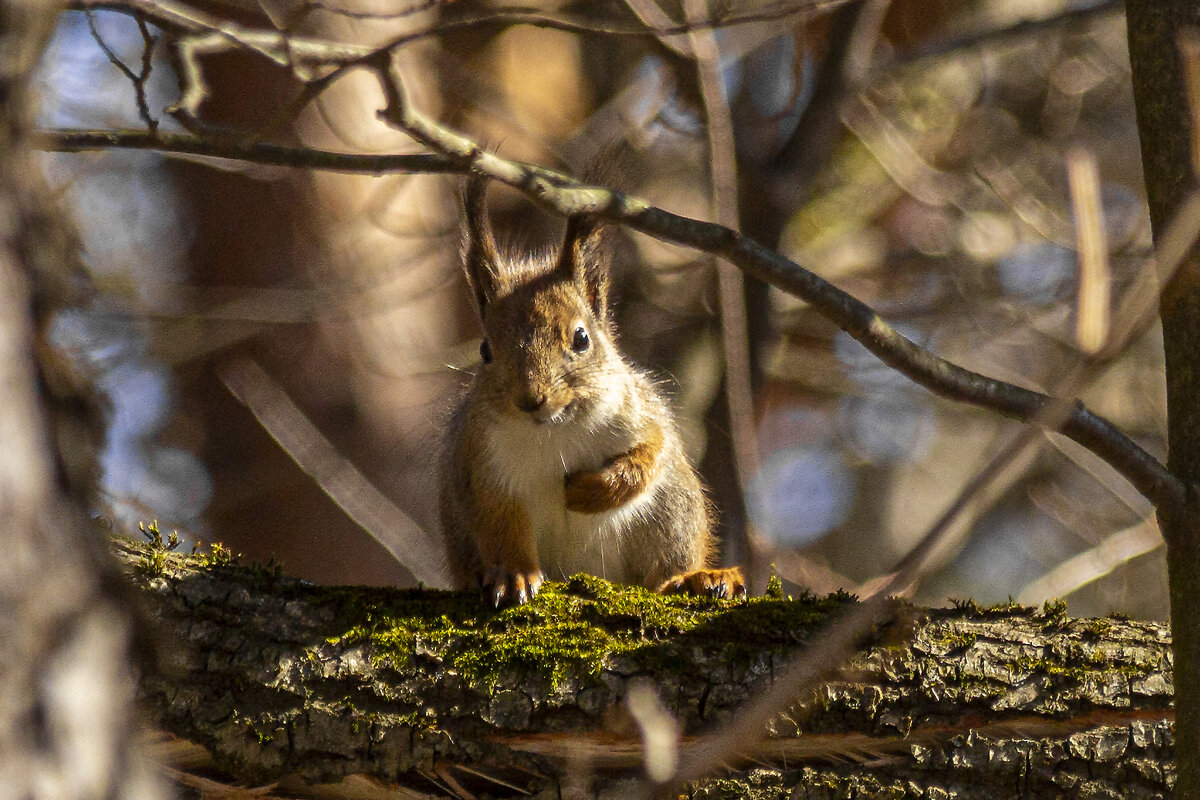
<point x="531" y="401"/>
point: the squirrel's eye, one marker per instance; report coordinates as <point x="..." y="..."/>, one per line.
<point x="581" y="341"/>
<point x="485" y="352"/>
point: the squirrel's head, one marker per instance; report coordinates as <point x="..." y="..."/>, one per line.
<point x="548" y="351"/>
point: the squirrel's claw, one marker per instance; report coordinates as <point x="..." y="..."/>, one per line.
<point x="502" y="588"/>
<point x="720" y="583"/>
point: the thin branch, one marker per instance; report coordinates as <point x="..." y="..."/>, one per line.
<point x="137" y="79"/>
<point x="203" y="33"/>
<point x="78" y="141"/>
<point x="149" y="40"/>
<point x="566" y="196"/>
<point x="183" y="18"/>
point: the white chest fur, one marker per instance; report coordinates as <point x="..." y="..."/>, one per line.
<point x="530" y="462"/>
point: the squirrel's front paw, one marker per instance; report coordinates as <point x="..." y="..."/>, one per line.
<point x="592" y="492"/>
<point x="502" y="588"/>
<point x="622" y="478"/>
<point x="712" y="582"/>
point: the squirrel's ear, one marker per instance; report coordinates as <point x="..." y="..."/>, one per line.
<point x="480" y="257"/>
<point x="585" y="257"/>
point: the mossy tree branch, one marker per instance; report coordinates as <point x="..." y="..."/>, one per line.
<point x="280" y="680"/>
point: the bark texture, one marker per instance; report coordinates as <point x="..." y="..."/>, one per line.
<point x="428" y="694"/>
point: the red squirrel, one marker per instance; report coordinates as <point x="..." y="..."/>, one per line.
<point x="563" y="457"/>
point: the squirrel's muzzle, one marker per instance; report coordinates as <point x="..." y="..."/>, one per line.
<point x="530" y="401"/>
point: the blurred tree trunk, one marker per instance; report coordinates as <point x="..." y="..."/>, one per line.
<point x="1165" y="128"/>
<point x="67" y="728"/>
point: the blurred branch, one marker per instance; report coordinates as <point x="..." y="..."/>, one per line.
<point x="1094" y="563"/>
<point x="421" y="554"/>
<point x="735" y="331"/>
<point x="1095" y="274"/>
<point x="69" y="628"/>
<point x="655" y="19"/>
<point x="1070" y="15"/>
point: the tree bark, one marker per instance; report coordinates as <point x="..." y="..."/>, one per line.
<point x="429" y="694"/>
<point x="1164" y="126"/>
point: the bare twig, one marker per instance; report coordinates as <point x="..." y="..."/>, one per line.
<point x="185" y="19"/>
<point x="1094" y="563"/>
<point x="77" y="141"/>
<point x="420" y="553"/>
<point x="138" y="79"/>
<point x="148" y="43"/>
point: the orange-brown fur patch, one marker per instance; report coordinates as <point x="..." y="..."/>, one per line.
<point x="622" y="478"/>
<point x="727" y="582"/>
<point x="504" y="534"/>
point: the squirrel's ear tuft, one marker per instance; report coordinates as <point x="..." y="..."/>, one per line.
<point x="585" y="257"/>
<point x="480" y="256"/>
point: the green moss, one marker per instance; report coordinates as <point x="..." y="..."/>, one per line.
<point x="154" y="559"/>
<point x="952" y="639"/>
<point x="1080" y="663"/>
<point x="571" y="628"/>
<point x="1054" y="613"/>
<point x="218" y="556"/>
<point x="998" y="611"/>
<point x="1096" y="629"/>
